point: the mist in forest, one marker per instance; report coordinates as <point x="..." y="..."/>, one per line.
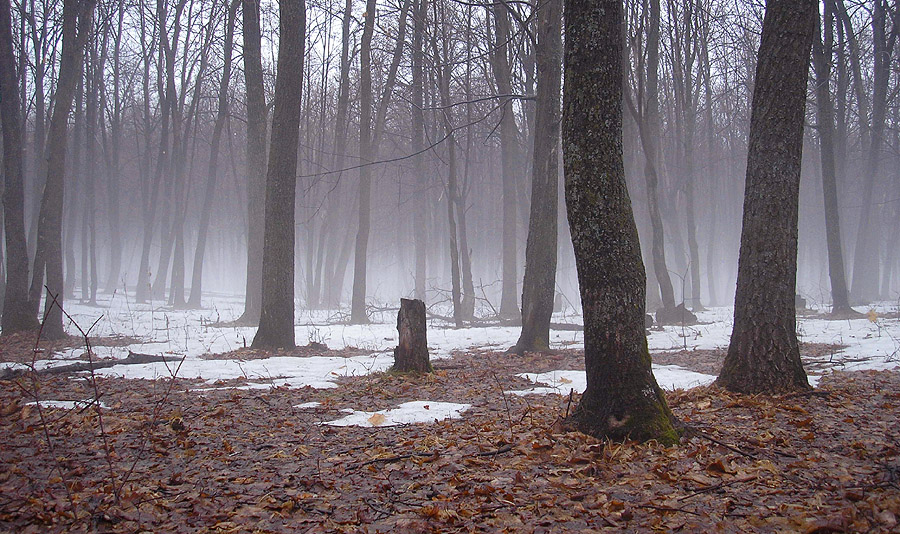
<point x="433" y="105"/>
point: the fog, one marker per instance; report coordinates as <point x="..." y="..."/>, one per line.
<point x="143" y="120"/>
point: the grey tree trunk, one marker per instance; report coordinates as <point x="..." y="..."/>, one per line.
<point x="17" y="314"/>
<point x="276" y="322"/>
<point x="256" y="159"/>
<point x="764" y="355"/>
<point x="358" y="296"/>
<point x="539" y="285"/>
<point x="212" y="171"/>
<point x="822" y="55"/>
<point x="418" y="144"/>
<point x="509" y="307"/>
<point x="622" y="399"/>
<point x="48" y="254"/>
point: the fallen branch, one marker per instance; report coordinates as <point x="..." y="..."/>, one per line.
<point x="133" y="358"/>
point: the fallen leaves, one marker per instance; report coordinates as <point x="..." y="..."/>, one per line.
<point x="236" y="461"/>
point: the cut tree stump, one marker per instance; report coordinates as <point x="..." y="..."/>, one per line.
<point x="411" y="355"/>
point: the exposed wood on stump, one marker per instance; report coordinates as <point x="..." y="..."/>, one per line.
<point x="411" y="355"/>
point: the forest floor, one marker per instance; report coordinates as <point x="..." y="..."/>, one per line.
<point x="176" y="455"/>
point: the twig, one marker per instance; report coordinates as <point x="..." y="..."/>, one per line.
<point x="697" y="432"/>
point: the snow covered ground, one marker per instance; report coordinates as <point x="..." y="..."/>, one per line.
<point x="871" y="344"/>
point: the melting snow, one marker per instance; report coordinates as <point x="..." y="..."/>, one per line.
<point x="406" y="413"/>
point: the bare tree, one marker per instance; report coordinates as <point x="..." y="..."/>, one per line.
<point x="17" y="314"/>
<point x="48" y="254"/>
<point x="539" y="285"/>
<point x="256" y="158"/>
<point x="764" y="355"/>
<point x="213" y="167"/>
<point x="622" y="399"/>
<point x="276" y="322"/>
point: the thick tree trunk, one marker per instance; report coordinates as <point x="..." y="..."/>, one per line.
<point x="840" y="300"/>
<point x="48" y="255"/>
<point x="256" y="158"/>
<point x="17" y="314"/>
<point x="622" y="399"/>
<point x="276" y="322"/>
<point x="539" y="285"/>
<point x="764" y="355"/>
<point x="411" y="354"/>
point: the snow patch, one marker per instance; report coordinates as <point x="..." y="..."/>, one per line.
<point x="561" y="382"/>
<point x="404" y="414"/>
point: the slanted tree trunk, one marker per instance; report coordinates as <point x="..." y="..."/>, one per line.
<point x="840" y="299"/>
<point x="645" y="110"/>
<point x="411" y="354"/>
<point x="764" y="356"/>
<point x="17" y="314"/>
<point x="622" y="399"/>
<point x="276" y="322"/>
<point x="256" y="158"/>
<point x="212" y="171"/>
<point x="539" y="285"/>
<point x="48" y="254"/>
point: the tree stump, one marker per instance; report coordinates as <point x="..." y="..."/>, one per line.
<point x="411" y="355"/>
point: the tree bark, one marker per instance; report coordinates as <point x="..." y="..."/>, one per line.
<point x="840" y="299"/>
<point x="509" y="307"/>
<point x="411" y="354"/>
<point x="539" y="285"/>
<point x="764" y="356"/>
<point x="276" y="322"/>
<point x="622" y="399"/>
<point x="212" y="171"/>
<point x="358" y="296"/>
<point x="48" y="254"/>
<point x="17" y="315"/>
<point x="418" y="144"/>
<point x="256" y="159"/>
<point x="443" y="78"/>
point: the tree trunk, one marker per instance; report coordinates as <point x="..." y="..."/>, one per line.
<point x="358" y="296"/>
<point x="840" y="301"/>
<point x="256" y="159"/>
<point x="48" y="254"/>
<point x="276" y="322"/>
<point x="509" y="307"/>
<point x="212" y="171"/>
<point x="864" y="287"/>
<point x="418" y="144"/>
<point x="647" y="119"/>
<point x="622" y="399"/>
<point x="443" y="79"/>
<point x="17" y="315"/>
<point x="764" y="356"/>
<point x="411" y="354"/>
<point x="539" y="285"/>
